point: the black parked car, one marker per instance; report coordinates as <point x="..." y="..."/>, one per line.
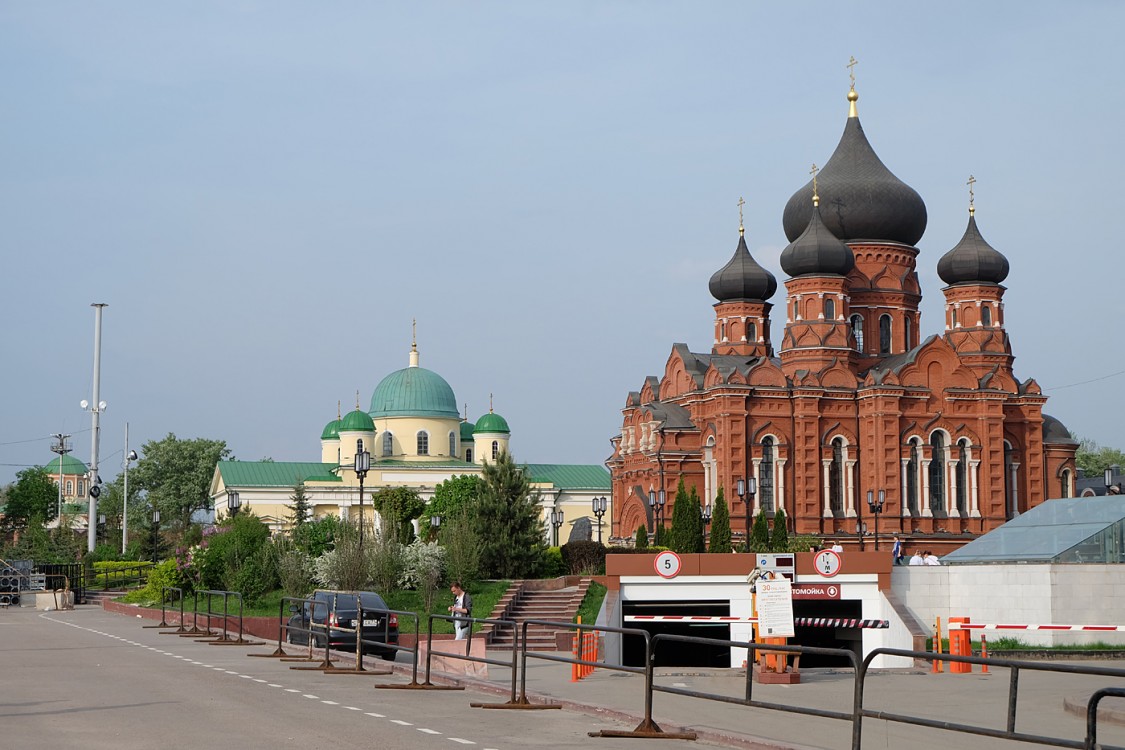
<point x="339" y="609"/>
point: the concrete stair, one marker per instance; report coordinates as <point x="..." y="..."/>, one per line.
<point x="554" y="600"/>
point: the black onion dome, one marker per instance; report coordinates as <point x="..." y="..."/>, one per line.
<point x="1055" y="431"/>
<point x="973" y="260"/>
<point x="817" y="251"/>
<point x="860" y="198"/>
<point x="742" y="278"/>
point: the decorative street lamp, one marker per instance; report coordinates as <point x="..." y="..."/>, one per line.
<point x="860" y="532"/>
<point x="435" y="525"/>
<point x="876" y="508"/>
<point x="1108" y="478"/>
<point x="705" y="513"/>
<point x="234" y="502"/>
<point x="155" y="534"/>
<point x="656" y="503"/>
<point x="362" y="466"/>
<point x="599" y="505"/>
<point x="556" y="523"/>
<point x="746" y="489"/>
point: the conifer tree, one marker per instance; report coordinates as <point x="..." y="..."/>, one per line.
<point x="760" y="534"/>
<point x="779" y="539"/>
<point x="508" y="523"/>
<point x="720" y="525"/>
<point x="299" y="505"/>
<point x="642" y="538"/>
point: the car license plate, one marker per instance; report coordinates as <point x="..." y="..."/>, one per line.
<point x="370" y="623"/>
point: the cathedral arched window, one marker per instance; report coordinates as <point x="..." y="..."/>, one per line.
<point x="722" y="330"/>
<point x="1065" y="482"/>
<point x="751" y="331"/>
<point x="495" y="449"/>
<point x="912" y="467"/>
<point x="81" y="488"/>
<point x="908" y="332"/>
<point x="469" y="455"/>
<point x="937" y="473"/>
<point x="452" y="445"/>
<point x="962" y="475"/>
<point x="423" y="443"/>
<point x="986" y="315"/>
<point x="766" y="474"/>
<point x="388" y="444"/>
<point x="829" y="309"/>
<point x="857" y="331"/>
<point x="836" y="477"/>
<point x="885" y="334"/>
<point x="69" y="486"/>
<point x="953" y="317"/>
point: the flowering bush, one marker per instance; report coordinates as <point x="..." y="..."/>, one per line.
<point x="423" y="569"/>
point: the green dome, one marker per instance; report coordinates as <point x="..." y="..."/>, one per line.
<point x="414" y="392"/>
<point x="356" y="421"/>
<point x="466" y="432"/>
<point x="331" y="430"/>
<point x="492" y="422"/>
<point x="71" y="465"/>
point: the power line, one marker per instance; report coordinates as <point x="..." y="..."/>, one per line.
<point x="1086" y="382"/>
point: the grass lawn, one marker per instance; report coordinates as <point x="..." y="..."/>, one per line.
<point x="591" y="603"/>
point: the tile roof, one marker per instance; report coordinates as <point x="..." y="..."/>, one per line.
<point x="571" y="476"/>
<point x="273" y="473"/>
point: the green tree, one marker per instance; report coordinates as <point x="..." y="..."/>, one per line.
<point x="660" y="537"/>
<point x="458" y="535"/>
<point x="397" y="507"/>
<point x="779" y="539"/>
<point x="687" y="521"/>
<point x="318" y="535"/>
<point x="642" y="538"/>
<point x="32" y="500"/>
<point x="1093" y="459"/>
<point x="176" y="476"/>
<point x="720" y="525"/>
<point x="508" y="522"/>
<point x="299" y="505"/>
<point x="760" y="534"/>
<point x="450" y="497"/>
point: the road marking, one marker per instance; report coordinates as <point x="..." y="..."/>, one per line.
<point x="291" y="690"/>
<point x="310" y="697"/>
<point x="257" y="680"/>
<point x="247" y="677"/>
<point x="400" y="722"/>
<point x="428" y="731"/>
<point x="353" y="708"/>
<point x="377" y="716"/>
<point x="273" y="684"/>
<point x="228" y="671"/>
<point x="463" y="742"/>
<point x="330" y="703"/>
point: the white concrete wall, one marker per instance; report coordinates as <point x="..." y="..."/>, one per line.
<point x="1031" y="594"/>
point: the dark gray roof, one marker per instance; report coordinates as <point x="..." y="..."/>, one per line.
<point x="861" y="198"/>
<point x="1055" y="431"/>
<point x="817" y="251"/>
<point x="973" y="260"/>
<point x="672" y="416"/>
<point x="742" y="278"/>
<point x="696" y="364"/>
<point x="896" y="362"/>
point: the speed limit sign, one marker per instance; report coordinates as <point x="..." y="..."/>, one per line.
<point x="667" y="564"/>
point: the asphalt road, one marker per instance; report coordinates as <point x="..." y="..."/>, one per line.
<point x="92" y="680"/>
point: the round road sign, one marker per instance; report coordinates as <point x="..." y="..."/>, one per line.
<point x="667" y="564"/>
<point x="827" y="563"/>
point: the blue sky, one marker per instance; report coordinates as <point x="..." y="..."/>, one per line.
<point x="267" y="193"/>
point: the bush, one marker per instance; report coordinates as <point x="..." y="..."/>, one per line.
<point x="236" y="545"/>
<point x="584" y="558"/>
<point x="553" y="565"/>
<point x="160" y="576"/>
<point x="317" y="537"/>
<point x="641" y="540"/>
<point x="294" y="570"/>
<point x="423" y="570"/>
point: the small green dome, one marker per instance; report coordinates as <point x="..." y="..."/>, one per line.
<point x="414" y="392"/>
<point x="467" y="432"/>
<point x="71" y="466"/>
<point x="331" y="430"/>
<point x="357" y="421"/>
<point x="492" y="422"/>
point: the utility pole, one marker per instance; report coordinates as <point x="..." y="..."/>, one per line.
<point x="62" y="447"/>
<point x="95" y="423"/>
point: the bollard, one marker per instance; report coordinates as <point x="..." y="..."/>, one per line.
<point x="936" y="664"/>
<point x="983" y="652"/>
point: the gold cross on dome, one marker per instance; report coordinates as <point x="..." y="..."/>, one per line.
<point x="815" y="195"/>
<point x="851" y="70"/>
<point x="970" y="183"/>
<point x="741" y="203"/>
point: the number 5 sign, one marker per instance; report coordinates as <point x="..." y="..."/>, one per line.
<point x="667" y="564"/>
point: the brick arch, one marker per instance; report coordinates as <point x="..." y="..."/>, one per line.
<point x="634" y="512"/>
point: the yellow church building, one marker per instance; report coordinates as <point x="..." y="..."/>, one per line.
<point x="416" y="438"/>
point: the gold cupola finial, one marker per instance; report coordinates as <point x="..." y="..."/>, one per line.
<point x="852" y="95"/>
<point x="413" y="342"/>
<point x="815" y="195"/>
<point x="741" y="229"/>
<point x="490" y="403"/>
<point x="339" y="415"/>
<point x="972" y="208"/>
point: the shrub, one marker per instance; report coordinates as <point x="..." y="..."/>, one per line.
<point x="294" y="570"/>
<point x="779" y="539"/>
<point x="423" y="570"/>
<point x="159" y="576"/>
<point x="318" y="536"/>
<point x="641" y="541"/>
<point x="553" y="565"/>
<point x="459" y="537"/>
<point x="584" y="558"/>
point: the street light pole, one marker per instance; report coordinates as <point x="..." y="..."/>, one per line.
<point x="556" y="523"/>
<point x="234" y="502"/>
<point x="130" y="457"/>
<point x="362" y="466"/>
<point x="435" y="525"/>
<point x="876" y="508"/>
<point x="705" y="513"/>
<point x="599" y="506"/>
<point x="62" y="447"/>
<point x="155" y="534"/>
<point x="746" y="489"/>
<point x="96" y="409"/>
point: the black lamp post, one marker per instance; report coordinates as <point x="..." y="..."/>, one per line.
<point x="656" y="502"/>
<point x="746" y="489"/>
<point x="362" y="466"/>
<point x="556" y="523"/>
<point x="435" y="525"/>
<point x="599" y="505"/>
<point x="860" y="532"/>
<point x="155" y="534"/>
<point x="705" y="513"/>
<point x="1108" y="476"/>
<point x="876" y="507"/>
<point x="234" y="502"/>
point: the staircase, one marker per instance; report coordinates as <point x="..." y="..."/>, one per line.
<point x="556" y="600"/>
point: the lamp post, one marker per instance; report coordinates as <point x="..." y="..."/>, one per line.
<point x="130" y="457"/>
<point x="656" y="503"/>
<point x="155" y="534"/>
<point x="62" y="447"/>
<point x="876" y="507"/>
<point x="362" y="466"/>
<point x="1108" y="476"/>
<point x="556" y="523"/>
<point x="599" y="505"/>
<point x="705" y="513"/>
<point x="234" y="502"/>
<point x="860" y="532"/>
<point x="746" y="489"/>
<point x="435" y="525"/>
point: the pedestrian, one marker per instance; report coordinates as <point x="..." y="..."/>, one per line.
<point x="917" y="559"/>
<point x="462" y="605"/>
<point x="837" y="547"/>
<point x="896" y="552"/>
<point x="929" y="558"/>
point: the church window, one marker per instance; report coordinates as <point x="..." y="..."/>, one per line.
<point x="765" y="474"/>
<point x="423" y="443"/>
<point x="69" y="486"/>
<point x="829" y="309"/>
<point x="937" y="473"/>
<point x="986" y="316"/>
<point x="495" y="449"/>
<point x="722" y="330"/>
<point x="953" y="317"/>
<point x="885" y="334"/>
<point x="388" y="444"/>
<point x="452" y="445"/>
<point x="908" y="331"/>
<point x="1009" y="480"/>
<point x="751" y="332"/>
<point x="857" y="331"/>
<point x="469" y="455"/>
<point x="836" y="477"/>
<point x="962" y="475"/>
<point x="1065" y="479"/>
<point x="912" y="478"/>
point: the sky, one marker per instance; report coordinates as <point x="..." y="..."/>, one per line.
<point x="266" y="194"/>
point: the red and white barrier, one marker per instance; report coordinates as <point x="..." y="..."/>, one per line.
<point x="1075" y="628"/>
<point x="805" y="622"/>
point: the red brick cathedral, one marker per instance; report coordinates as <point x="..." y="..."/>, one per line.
<point x="853" y="401"/>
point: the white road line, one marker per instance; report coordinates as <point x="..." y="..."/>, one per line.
<point x="428" y="731"/>
<point x="257" y="680"/>
<point x="377" y="716"/>
<point x="246" y="677"/>
<point x="273" y="684"/>
<point x="400" y="722"/>
<point x="291" y="690"/>
<point x="353" y="708"/>
<point x="463" y="742"/>
<point x="310" y="697"/>
<point x="330" y="703"/>
<point x="228" y="671"/>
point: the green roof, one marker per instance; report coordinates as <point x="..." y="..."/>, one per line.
<point x="571" y="476"/>
<point x="273" y="473"/>
<point x="357" y="421"/>
<point x="467" y="432"/>
<point x="414" y="392"/>
<point x="331" y="430"/>
<point x="492" y="422"/>
<point x="71" y="465"/>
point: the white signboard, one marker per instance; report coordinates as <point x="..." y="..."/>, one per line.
<point x="667" y="564"/>
<point x="775" y="608"/>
